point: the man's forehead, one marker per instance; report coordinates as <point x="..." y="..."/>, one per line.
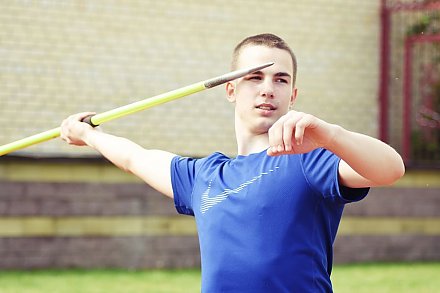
<point x="257" y="54"/>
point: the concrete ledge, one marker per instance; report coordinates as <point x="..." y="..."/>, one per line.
<point x="97" y="226"/>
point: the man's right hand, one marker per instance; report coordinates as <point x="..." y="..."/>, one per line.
<point x="73" y="131"/>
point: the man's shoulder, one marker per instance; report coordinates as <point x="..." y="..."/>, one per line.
<point x="211" y="160"/>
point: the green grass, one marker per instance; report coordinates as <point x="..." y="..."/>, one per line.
<point x="403" y="277"/>
<point x="399" y="277"/>
<point x="99" y="281"/>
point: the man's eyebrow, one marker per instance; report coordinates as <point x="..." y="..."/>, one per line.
<point x="257" y="72"/>
<point x="278" y="74"/>
<point x="281" y="74"/>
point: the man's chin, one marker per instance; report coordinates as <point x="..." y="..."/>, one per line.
<point x="264" y="126"/>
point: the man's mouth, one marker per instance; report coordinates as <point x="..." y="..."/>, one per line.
<point x="266" y="107"/>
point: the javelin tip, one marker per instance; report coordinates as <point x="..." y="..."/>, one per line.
<point x="234" y="75"/>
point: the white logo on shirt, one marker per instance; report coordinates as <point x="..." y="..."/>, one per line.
<point x="209" y="202"/>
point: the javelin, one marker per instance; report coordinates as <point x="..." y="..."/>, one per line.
<point x="97" y="119"/>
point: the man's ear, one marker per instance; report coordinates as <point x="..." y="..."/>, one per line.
<point x="293" y="97"/>
<point x="230" y="91"/>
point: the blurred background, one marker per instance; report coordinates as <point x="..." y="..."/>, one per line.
<point x="370" y="66"/>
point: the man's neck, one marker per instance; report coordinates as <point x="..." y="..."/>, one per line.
<point x="250" y="143"/>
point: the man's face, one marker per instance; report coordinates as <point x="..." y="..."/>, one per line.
<point x="262" y="97"/>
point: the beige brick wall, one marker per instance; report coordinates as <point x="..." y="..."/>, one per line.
<point x="61" y="57"/>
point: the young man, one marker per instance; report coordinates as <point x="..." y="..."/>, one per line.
<point x="266" y="219"/>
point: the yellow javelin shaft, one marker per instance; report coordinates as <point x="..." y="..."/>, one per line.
<point x="134" y="107"/>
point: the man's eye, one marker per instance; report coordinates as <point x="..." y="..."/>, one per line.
<point x="282" y="80"/>
<point x="254" y="77"/>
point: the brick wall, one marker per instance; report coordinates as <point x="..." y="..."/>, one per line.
<point x="78" y="224"/>
<point x="61" y="57"/>
<point x="103" y="218"/>
<point x="413" y="236"/>
<point x="392" y="224"/>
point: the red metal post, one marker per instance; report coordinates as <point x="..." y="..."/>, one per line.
<point x="407" y="90"/>
<point x="384" y="72"/>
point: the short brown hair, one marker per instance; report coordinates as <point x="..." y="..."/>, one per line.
<point x="268" y="40"/>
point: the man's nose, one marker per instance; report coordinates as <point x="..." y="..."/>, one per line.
<point x="267" y="89"/>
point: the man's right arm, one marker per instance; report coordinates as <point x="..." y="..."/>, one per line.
<point x="152" y="166"/>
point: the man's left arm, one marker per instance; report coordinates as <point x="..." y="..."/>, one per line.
<point x="365" y="161"/>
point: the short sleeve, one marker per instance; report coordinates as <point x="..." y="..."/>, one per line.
<point x="183" y="173"/>
<point x="320" y="168"/>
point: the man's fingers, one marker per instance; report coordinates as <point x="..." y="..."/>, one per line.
<point x="300" y="128"/>
<point x="288" y="128"/>
<point x="299" y="131"/>
<point x="81" y="116"/>
<point x="296" y="132"/>
<point x="281" y="133"/>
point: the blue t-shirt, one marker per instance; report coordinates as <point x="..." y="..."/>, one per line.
<point x="265" y="224"/>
